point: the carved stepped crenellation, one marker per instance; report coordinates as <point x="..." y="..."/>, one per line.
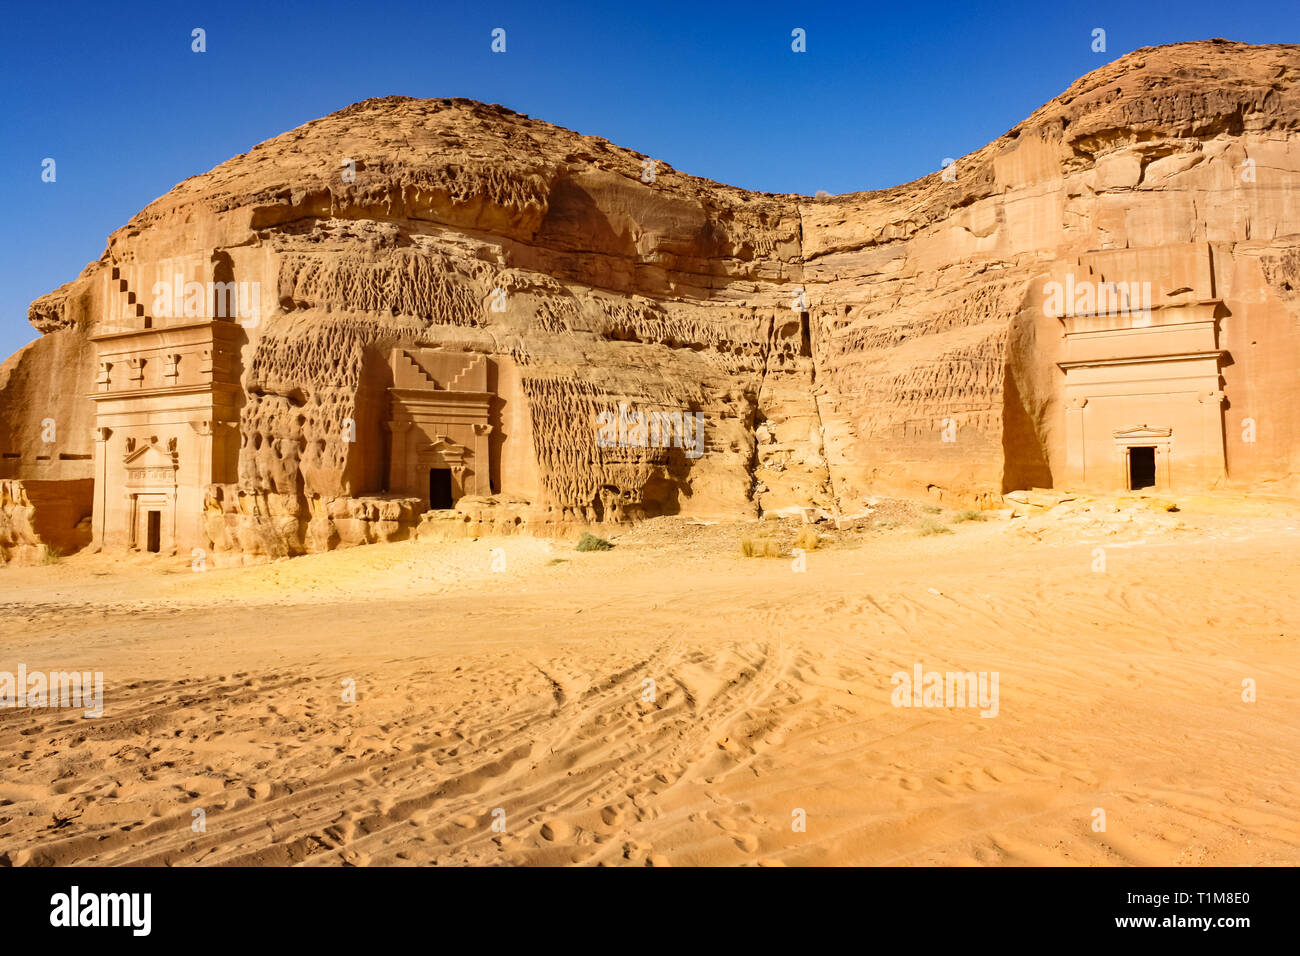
<point x="473" y="367"/>
<point x="410" y="371"/>
<point x="125" y="312"/>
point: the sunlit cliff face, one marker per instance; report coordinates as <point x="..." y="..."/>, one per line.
<point x="901" y="341"/>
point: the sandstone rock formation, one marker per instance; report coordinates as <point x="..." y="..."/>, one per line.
<point x="273" y="357"/>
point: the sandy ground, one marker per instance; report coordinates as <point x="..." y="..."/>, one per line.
<point x="518" y="698"/>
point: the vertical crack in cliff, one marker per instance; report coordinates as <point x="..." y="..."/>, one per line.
<point x="813" y="339"/>
<point x="757" y="410"/>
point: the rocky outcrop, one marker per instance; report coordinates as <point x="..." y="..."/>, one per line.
<point x="931" y="295"/>
<point x="41" y="520"/>
<point x="894" y="341"/>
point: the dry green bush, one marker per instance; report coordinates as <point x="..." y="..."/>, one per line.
<point x="808" y="538"/>
<point x="759" y="548"/>
<point x="589" y="542"/>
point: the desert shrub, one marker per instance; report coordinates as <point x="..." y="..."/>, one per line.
<point x="930" y="526"/>
<point x="51" y="556"/>
<point x="808" y="538"/>
<point x="931" y="509"/>
<point x="969" y="515"/>
<point x="589" y="542"/>
<point x="555" y="561"/>
<point x="759" y="548"/>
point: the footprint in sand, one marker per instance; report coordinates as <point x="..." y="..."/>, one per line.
<point x="746" y="841"/>
<point x="611" y="816"/>
<point x="556" y="830"/>
<point x="342" y="832"/>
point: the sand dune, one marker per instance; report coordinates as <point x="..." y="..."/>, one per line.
<point x="520" y="698"/>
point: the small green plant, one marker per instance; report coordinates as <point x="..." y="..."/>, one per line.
<point x="932" y="509"/>
<point x="589" y="542"/>
<point x="555" y="561"/>
<point x="51" y="556"/>
<point x="929" y="526"/>
<point x="969" y="515"/>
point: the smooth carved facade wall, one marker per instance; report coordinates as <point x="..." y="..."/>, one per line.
<point x="167" y="418"/>
<point x="1142" y="370"/>
<point x="440" y="408"/>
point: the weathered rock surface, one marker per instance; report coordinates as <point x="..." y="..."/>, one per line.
<point x="885" y="342"/>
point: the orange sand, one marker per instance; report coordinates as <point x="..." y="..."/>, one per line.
<point x="523" y="691"/>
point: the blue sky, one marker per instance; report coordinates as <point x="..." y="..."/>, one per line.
<point x="885" y="91"/>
